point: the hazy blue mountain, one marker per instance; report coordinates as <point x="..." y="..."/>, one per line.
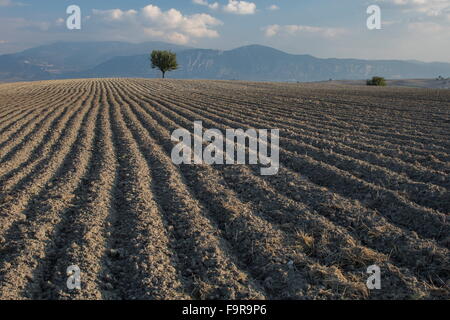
<point x="255" y="62"/>
<point x="13" y="69"/>
<point x="264" y="63"/>
<point x="54" y="60"/>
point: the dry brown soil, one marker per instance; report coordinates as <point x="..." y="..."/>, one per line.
<point x="86" y="179"/>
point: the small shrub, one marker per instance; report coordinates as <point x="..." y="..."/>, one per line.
<point x="377" y="81"/>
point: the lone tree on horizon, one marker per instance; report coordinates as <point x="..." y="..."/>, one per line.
<point x="164" y="61"/>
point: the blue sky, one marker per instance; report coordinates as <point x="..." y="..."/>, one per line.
<point x="411" y="29"/>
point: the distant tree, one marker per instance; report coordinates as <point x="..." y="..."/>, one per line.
<point x="377" y="81"/>
<point x="164" y="61"/>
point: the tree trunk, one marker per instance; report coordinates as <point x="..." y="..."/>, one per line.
<point x="163" y="75"/>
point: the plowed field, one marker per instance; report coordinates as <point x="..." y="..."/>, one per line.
<point x="86" y="179"/>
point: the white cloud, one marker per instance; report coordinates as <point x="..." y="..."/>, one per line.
<point x="59" y="21"/>
<point x="20" y="24"/>
<point x="428" y="28"/>
<point x="177" y="37"/>
<point x="240" y="7"/>
<point x="170" y="25"/>
<point x="9" y="3"/>
<point x="292" y="30"/>
<point x="272" y="30"/>
<point x="214" y="5"/>
<point x="115" y="14"/>
<point x="205" y="3"/>
<point x="430" y="8"/>
<point x="233" y="6"/>
<point x="273" y="7"/>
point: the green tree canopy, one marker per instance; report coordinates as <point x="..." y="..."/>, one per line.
<point x="164" y="61"/>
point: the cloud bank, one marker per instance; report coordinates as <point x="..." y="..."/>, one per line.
<point x="170" y="25"/>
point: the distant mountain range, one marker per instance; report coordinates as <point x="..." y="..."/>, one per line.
<point x="60" y="59"/>
<point x="259" y="63"/>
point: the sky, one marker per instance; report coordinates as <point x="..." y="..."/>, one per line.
<point x="411" y="29"/>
